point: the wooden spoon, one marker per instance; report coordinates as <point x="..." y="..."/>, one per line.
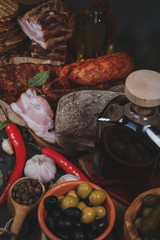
<point x="21" y="213"/>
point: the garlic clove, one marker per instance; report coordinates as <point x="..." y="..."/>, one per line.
<point x="7" y="146"/>
<point x="64" y="178"/>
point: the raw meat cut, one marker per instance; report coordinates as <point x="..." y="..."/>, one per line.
<point x="37" y="113"/>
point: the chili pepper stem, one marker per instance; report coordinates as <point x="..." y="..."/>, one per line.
<point x="40" y="149"/>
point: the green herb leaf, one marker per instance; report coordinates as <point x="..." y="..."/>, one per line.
<point x="1" y="179"/>
<point x="3" y="125"/>
<point x="39" y="79"/>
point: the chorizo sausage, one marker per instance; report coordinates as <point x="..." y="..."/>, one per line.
<point x="102" y="69"/>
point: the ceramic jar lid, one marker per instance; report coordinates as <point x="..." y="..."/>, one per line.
<point x="142" y="88"/>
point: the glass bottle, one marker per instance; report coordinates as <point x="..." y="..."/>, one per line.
<point x="96" y="30"/>
<point x="127" y="149"/>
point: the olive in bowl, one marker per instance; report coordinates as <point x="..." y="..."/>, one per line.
<point x="141" y="219"/>
<point x="75" y="215"/>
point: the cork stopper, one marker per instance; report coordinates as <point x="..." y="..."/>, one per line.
<point x="142" y="88"/>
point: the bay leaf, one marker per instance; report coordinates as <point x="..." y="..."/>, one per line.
<point x="39" y="79"/>
<point x="1" y="178"/>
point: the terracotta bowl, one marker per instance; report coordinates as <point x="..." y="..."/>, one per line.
<point x="62" y="189"/>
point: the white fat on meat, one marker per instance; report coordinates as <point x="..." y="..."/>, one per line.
<point x="37" y="113"/>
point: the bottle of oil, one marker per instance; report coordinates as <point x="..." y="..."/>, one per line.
<point x="127" y="150"/>
<point x="96" y="30"/>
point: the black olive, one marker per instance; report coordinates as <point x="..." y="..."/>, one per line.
<point x="51" y="202"/>
<point x="96" y="228"/>
<point x="50" y="222"/>
<point x="78" y="224"/>
<point x="87" y="202"/>
<point x="55" y="212"/>
<point x="79" y="234"/>
<point x="80" y="227"/>
<point x="73" y="212"/>
<point x="63" y="236"/>
<point x="64" y="225"/>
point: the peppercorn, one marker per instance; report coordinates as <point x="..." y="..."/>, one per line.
<point x="27" y="192"/>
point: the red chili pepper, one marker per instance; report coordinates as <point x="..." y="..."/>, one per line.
<point x="20" y="150"/>
<point x="65" y="164"/>
<point x="62" y="162"/>
<point x="72" y="169"/>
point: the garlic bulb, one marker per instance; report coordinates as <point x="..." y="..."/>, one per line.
<point x="7" y="146"/>
<point x="64" y="178"/>
<point x="40" y="167"/>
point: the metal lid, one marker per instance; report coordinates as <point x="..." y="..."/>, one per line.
<point x="142" y="88"/>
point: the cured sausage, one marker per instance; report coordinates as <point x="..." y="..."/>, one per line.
<point x="66" y="70"/>
<point x="96" y="73"/>
<point x="102" y="69"/>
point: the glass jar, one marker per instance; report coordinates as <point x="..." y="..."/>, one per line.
<point x="96" y="30"/>
<point x="127" y="150"/>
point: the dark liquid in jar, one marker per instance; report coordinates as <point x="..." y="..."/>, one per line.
<point x="125" y="158"/>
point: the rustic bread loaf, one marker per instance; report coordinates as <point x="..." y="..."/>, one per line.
<point x="76" y="115"/>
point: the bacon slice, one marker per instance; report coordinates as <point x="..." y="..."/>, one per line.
<point x="49" y="23"/>
<point x="58" y="52"/>
<point x="37" y="113"/>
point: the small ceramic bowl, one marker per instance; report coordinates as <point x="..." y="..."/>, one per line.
<point x="62" y="189"/>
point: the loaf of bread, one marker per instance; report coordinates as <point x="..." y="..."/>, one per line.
<point x="76" y="116"/>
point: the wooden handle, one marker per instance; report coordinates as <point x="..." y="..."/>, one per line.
<point x="18" y="224"/>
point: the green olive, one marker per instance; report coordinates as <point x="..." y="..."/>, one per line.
<point x="81" y="205"/>
<point x="118" y="148"/>
<point x="88" y="215"/>
<point x="68" y="201"/>
<point x="140" y="147"/>
<point x="124" y="138"/>
<point x="131" y="153"/>
<point x="83" y="190"/>
<point x="139" y="159"/>
<point x="150" y="200"/>
<point x="137" y="224"/>
<point x="146" y="211"/>
<point x="60" y="198"/>
<point x="73" y="193"/>
<point x="100" y="212"/>
<point x="97" y="197"/>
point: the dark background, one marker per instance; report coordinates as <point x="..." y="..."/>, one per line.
<point x="138" y="29"/>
